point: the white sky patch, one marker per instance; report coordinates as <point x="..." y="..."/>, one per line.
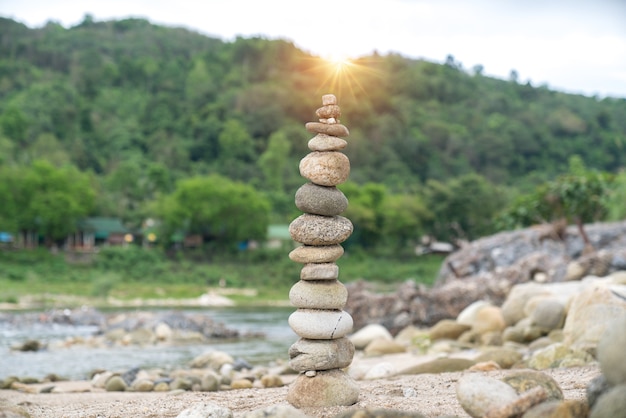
<point x="571" y="45"/>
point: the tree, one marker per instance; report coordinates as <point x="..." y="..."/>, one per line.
<point x="274" y="160"/>
<point x="49" y="200"/>
<point x="578" y="196"/>
<point x="222" y="211"/>
<point x="463" y="207"/>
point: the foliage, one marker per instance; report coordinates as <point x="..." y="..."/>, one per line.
<point x="578" y="196"/>
<point x="222" y="211"/>
<point x="437" y="149"/>
<point x="45" y="199"/>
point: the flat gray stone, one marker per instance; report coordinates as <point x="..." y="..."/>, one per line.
<point x="321" y="200"/>
<point x="321" y="354"/>
<point x="320" y="230"/>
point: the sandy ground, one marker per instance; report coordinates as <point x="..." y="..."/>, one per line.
<point x="433" y="395"/>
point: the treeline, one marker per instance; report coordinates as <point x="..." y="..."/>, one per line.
<point x="144" y="111"/>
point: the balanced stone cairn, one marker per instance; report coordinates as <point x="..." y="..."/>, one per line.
<point x="323" y="349"/>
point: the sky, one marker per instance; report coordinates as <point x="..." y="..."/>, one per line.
<point x="575" y="46"/>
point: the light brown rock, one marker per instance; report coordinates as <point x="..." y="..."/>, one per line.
<point x="336" y="129"/>
<point x="323" y="142"/>
<point x="323" y="294"/>
<point x="328" y="111"/>
<point x="325" y="168"/>
<point x="319" y="271"/>
<point x="316" y="253"/>
<point x="326" y="388"/>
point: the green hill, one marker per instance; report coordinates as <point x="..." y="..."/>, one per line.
<point x="142" y="106"/>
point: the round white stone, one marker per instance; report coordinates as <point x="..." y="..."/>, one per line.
<point x="318" y="324"/>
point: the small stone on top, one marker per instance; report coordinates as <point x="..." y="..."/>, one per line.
<point x="329" y="99"/>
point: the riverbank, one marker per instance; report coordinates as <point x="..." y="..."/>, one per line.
<point x="431" y="394"/>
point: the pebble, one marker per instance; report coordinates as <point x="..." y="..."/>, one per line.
<point x="382" y="346"/>
<point x="325" y="168"/>
<point x="548" y="315"/>
<point x="611" y="352"/>
<point x="320" y="200"/>
<point x="276" y="411"/>
<point x="326" y="294"/>
<point x="380" y="371"/>
<point x="440" y="365"/>
<point x="525" y="380"/>
<point x="316" y="253"/>
<point x="308" y="354"/>
<point x="505" y="357"/>
<point x="323" y="142"/>
<point x="317" y="324"/>
<point x="559" y="409"/>
<point x="319" y="271"/>
<point x="272" y="381"/>
<point x="611" y="404"/>
<point x="320" y="230"/>
<point x="480" y="394"/>
<point x="447" y="329"/>
<point x="589" y="315"/>
<point x="241" y="384"/>
<point x="328" y="111"/>
<point x="115" y="384"/>
<point x="326" y="388"/>
<point x="369" y="333"/>
<point x="520" y="405"/>
<point x="203" y="410"/>
<point x="335" y="129"/>
<point x="329" y="99"/>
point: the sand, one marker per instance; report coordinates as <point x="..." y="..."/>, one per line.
<point x="432" y="395"/>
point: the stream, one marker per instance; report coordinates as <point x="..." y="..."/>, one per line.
<point x="77" y="362"/>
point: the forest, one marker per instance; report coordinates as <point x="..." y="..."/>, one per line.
<point x="134" y="120"/>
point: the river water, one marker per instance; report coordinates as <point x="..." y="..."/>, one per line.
<point x="77" y="362"/>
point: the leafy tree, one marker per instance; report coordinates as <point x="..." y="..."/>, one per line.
<point x="222" y="211"/>
<point x="463" y="208"/>
<point x="578" y="196"/>
<point x="47" y="200"/>
<point x="274" y="161"/>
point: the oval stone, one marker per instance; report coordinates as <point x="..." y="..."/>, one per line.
<point x="328" y="111"/>
<point x="326" y="388"/>
<point x="324" y="294"/>
<point x="319" y="271"/>
<point x="321" y="354"/>
<point x="316" y="253"/>
<point x="321" y="200"/>
<point x="335" y="129"/>
<point x="325" y="168"/>
<point x="320" y="230"/>
<point x="323" y="142"/>
<point x="319" y="324"/>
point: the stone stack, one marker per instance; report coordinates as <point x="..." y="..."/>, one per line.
<point x="323" y="349"/>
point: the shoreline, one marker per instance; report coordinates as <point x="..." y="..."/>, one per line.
<point x="433" y="395"/>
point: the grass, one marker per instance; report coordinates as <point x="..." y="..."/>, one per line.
<point x="133" y="273"/>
